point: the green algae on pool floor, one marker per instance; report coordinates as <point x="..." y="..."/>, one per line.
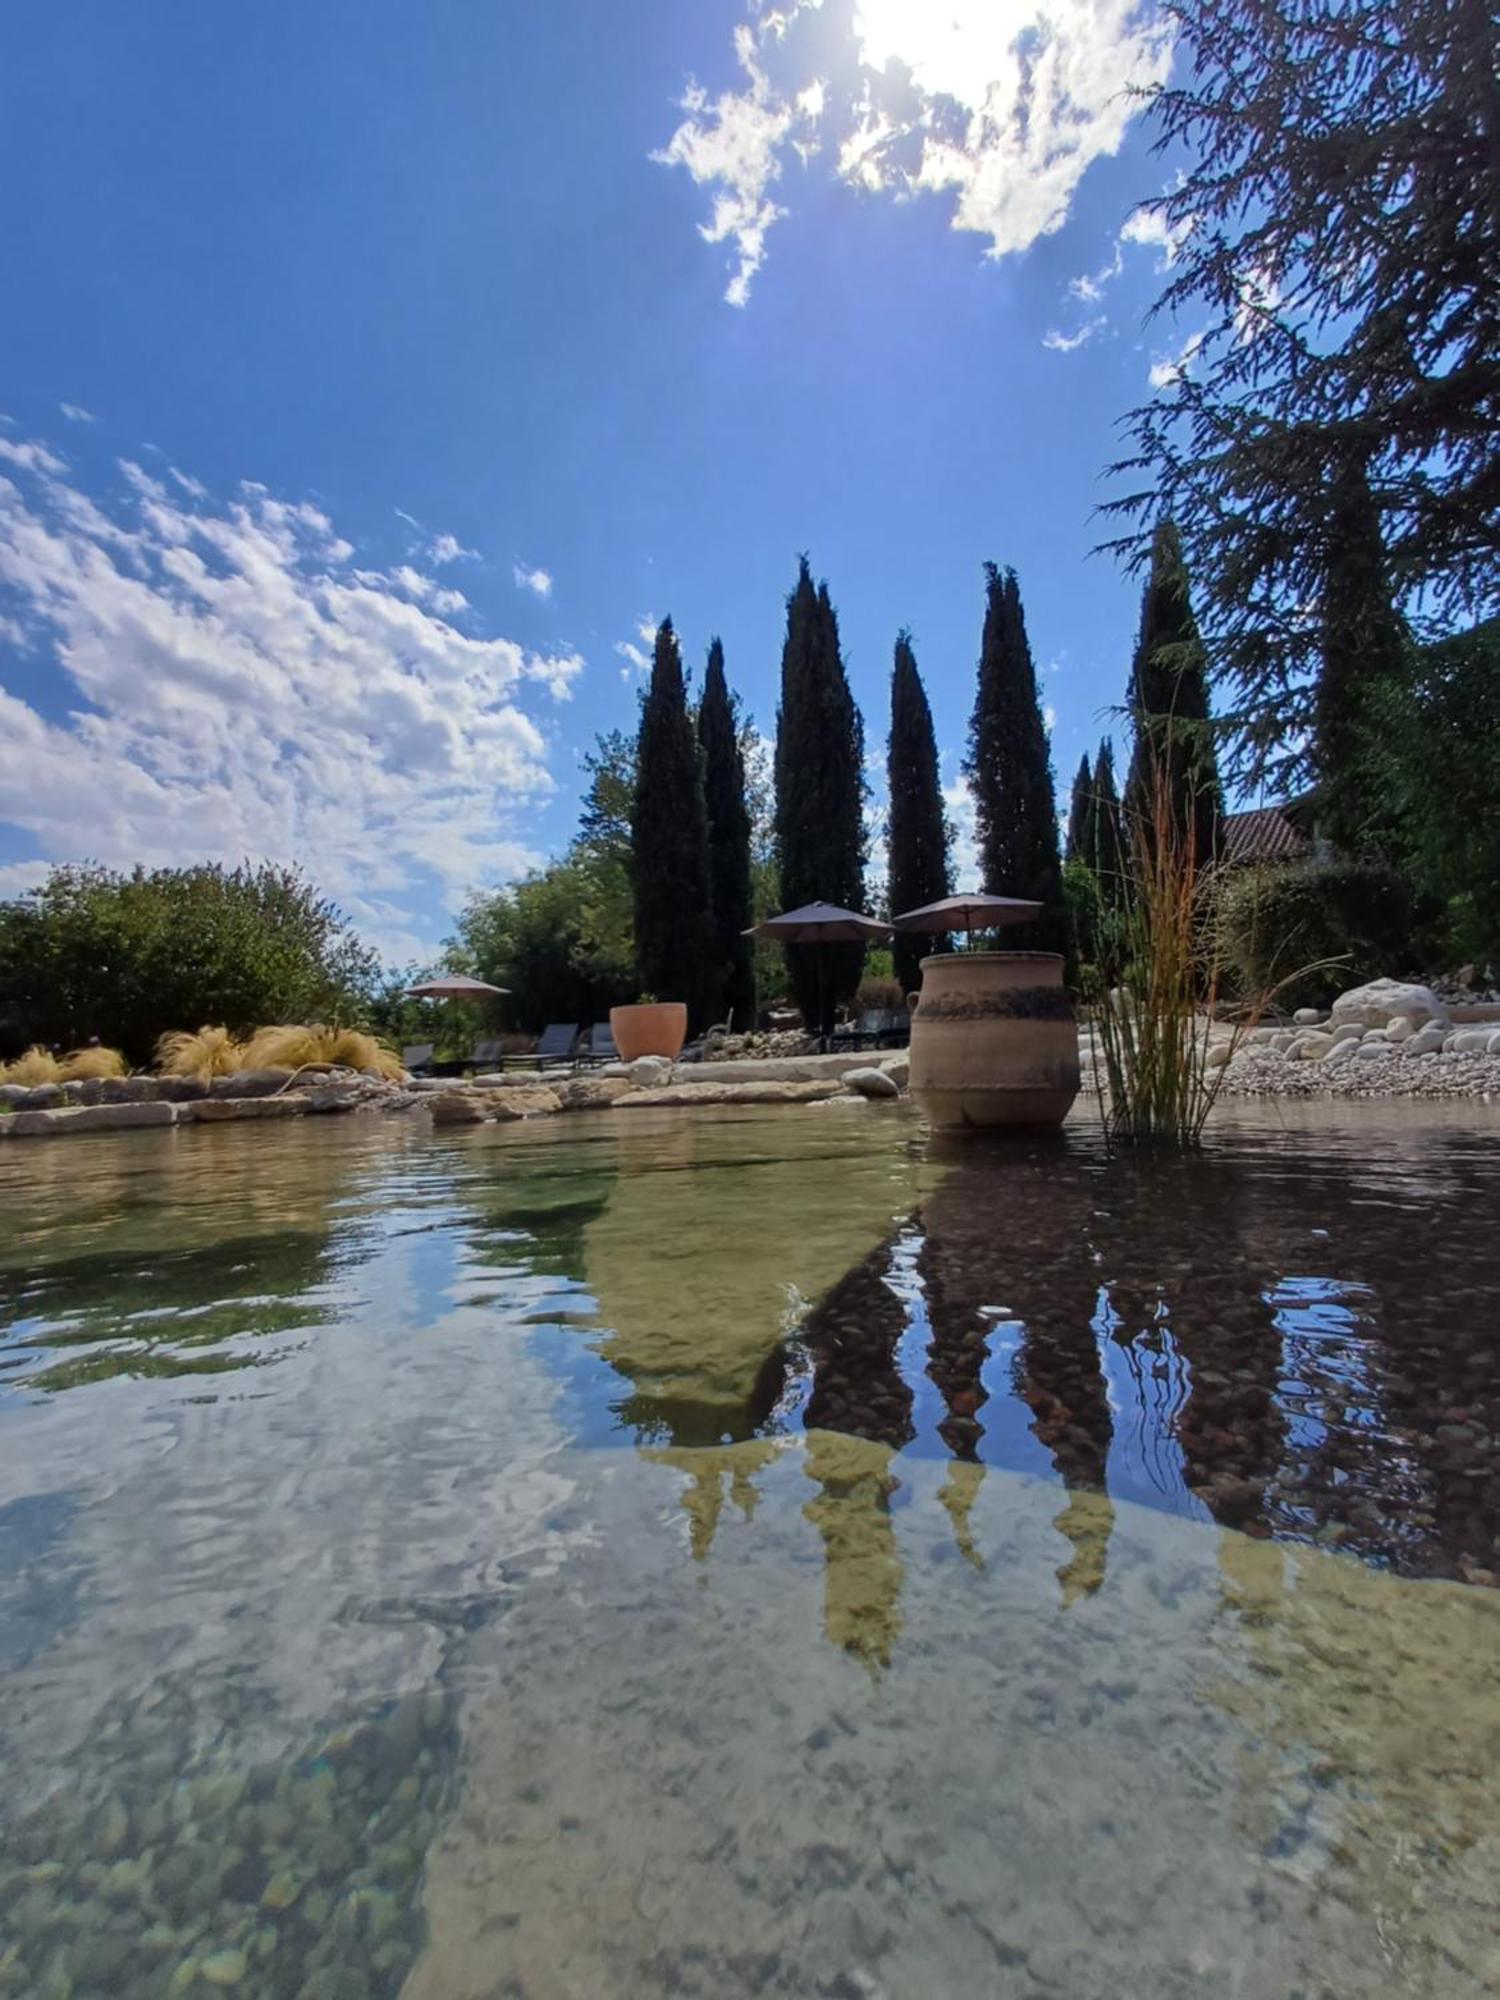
<point x="809" y="1560"/>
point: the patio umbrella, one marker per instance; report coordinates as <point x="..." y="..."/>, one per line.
<point x="968" y="913"/>
<point x="820" y="924"/>
<point x="453" y="986"/>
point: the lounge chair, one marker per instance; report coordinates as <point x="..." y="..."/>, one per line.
<point x="417" y="1059"/>
<point x="556" y="1049"/>
<point x="485" y="1056"/>
<point x="599" y="1046"/>
<point x="876" y="1028"/>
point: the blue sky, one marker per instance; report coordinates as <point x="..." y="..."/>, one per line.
<point x="372" y="373"/>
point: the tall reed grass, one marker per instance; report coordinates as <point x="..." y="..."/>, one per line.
<point x="215" y="1052"/>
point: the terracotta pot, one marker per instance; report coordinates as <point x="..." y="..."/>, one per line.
<point x="653" y="1028"/>
<point x="993" y="1040"/>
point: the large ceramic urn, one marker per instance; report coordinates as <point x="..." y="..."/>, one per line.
<point x="994" y="1040"/>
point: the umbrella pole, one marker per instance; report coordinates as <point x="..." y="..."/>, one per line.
<point x="822" y="1003"/>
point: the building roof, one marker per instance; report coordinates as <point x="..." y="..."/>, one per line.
<point x="1266" y="834"/>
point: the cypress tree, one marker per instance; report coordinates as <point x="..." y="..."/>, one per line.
<point x="733" y="986"/>
<point x="1010" y="769"/>
<point x="1081" y="814"/>
<point x="1106" y="854"/>
<point x="820" y="836"/>
<point x="918" y="831"/>
<point x="1168" y="703"/>
<point x="1364" y="651"/>
<point x="669" y="841"/>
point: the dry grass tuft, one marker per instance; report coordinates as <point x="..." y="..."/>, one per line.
<point x="299" y="1047"/>
<point x="209" y="1053"/>
<point x="38" y="1065"/>
<point x="357" y="1050"/>
<point x="84" y="1065"/>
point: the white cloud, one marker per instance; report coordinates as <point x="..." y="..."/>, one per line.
<point x="959" y="801"/>
<point x="1149" y="228"/>
<point x="537" y="580"/>
<point x="638" y="656"/>
<point x="1000" y="107"/>
<point x="1169" y="369"/>
<point x="1068" y="343"/>
<point x="77" y="414"/>
<point x="239" y="690"/>
<point x="16" y="877"/>
<point x="448" y="548"/>
<point x="732" y="145"/>
<point x="30" y="455"/>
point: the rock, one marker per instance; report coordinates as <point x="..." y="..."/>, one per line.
<point x="1400" y="1028"/>
<point x="593" y="1093"/>
<point x="1468" y="1042"/>
<point x="233" y="1110"/>
<point x="1218" y="1055"/>
<point x="14" y="1094"/>
<point x="459" y="1107"/>
<point x="530" y="1101"/>
<point x="1492" y="1047"/>
<point x="1308" y="1017"/>
<point x="181" y="1089"/>
<point x="129" y="1090"/>
<point x="871" y="1083"/>
<point x="1374" y="1004"/>
<point x="806" y="1092"/>
<point x="898" y="1068"/>
<point x="1262" y="1038"/>
<point x="251" y="1083"/>
<point x="42" y="1097"/>
<point x="1380" y="1051"/>
<point x="1311" y="1048"/>
<point x="69" y="1118"/>
<point x="1347" y="1031"/>
<point x="339" y="1096"/>
<point x="649" y="1072"/>
<point x="223" y="1968"/>
<point x="1425" y="1042"/>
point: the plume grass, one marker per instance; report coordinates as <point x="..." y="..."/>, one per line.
<point x="209" y="1053"/>
<point x="38" y="1065"/>
<point x="85" y="1065"/>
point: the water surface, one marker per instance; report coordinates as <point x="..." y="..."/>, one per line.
<point x="769" y="1554"/>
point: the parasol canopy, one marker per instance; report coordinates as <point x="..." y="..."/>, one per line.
<point x="968" y="913"/>
<point x="453" y="986"/>
<point x="820" y="923"/>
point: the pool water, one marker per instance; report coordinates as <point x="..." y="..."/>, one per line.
<point x="768" y="1553"/>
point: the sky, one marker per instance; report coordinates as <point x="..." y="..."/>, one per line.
<point x="373" y="377"/>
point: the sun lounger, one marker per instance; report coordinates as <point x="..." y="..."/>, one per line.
<point x="417" y="1059"/>
<point x="556" y="1049"/>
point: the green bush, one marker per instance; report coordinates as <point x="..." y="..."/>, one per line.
<point x="1274" y="922"/>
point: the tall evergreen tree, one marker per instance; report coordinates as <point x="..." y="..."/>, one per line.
<point x="820" y="836"/>
<point x="1169" y="709"/>
<point x="1365" y="652"/>
<point x="674" y="942"/>
<point x="918" y="833"/>
<point x="733" y="991"/>
<point x="1107" y="855"/>
<point x="1081" y="814"/>
<point x="1010" y="769"/>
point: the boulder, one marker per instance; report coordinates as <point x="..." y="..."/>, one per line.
<point x="1311" y="1048"/>
<point x="40" y="1097"/>
<point x="1425" y="1042"/>
<point x="528" y="1102"/>
<point x="340" y="1095"/>
<point x="88" y="1118"/>
<point x="649" y="1072"/>
<point x="459" y="1107"/>
<point x="871" y="1083"/>
<point x="180" y="1089"/>
<point x="129" y="1090"/>
<point x="1218" y="1055"/>
<point x="1378" y="1002"/>
<point x="593" y="1093"/>
<point x="1400" y="1028"/>
<point x="1468" y="1042"/>
<point x="898" y="1068"/>
<point x="232" y="1110"/>
<point x="1308" y="1017"/>
<point x="809" y="1091"/>
<point x="1347" y="1031"/>
<point x="1379" y="1051"/>
<point x="1493" y="1046"/>
<point x="14" y="1094"/>
<point x="251" y="1083"/>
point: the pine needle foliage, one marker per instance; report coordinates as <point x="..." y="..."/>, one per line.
<point x="918" y="835"/>
<point x="1009" y="768"/>
<point x="728" y="816"/>
<point x="1082" y="810"/>
<point x="1169" y="711"/>
<point x="674" y="943"/>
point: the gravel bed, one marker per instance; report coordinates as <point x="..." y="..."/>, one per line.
<point x="1260" y="1072"/>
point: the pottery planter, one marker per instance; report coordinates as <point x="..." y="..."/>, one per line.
<point x="653" y="1028"/>
<point x="994" y="1040"/>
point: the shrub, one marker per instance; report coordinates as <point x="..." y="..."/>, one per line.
<point x="878" y="995"/>
<point x="211" y="1052"/>
<point x="84" y="1065"/>
<point x="38" y="1065"/>
<point x="1275" y="920"/>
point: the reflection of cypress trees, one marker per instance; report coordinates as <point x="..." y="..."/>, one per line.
<point x="862" y="1564"/>
<point x="708" y="1473"/>
<point x="852" y="1335"/>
